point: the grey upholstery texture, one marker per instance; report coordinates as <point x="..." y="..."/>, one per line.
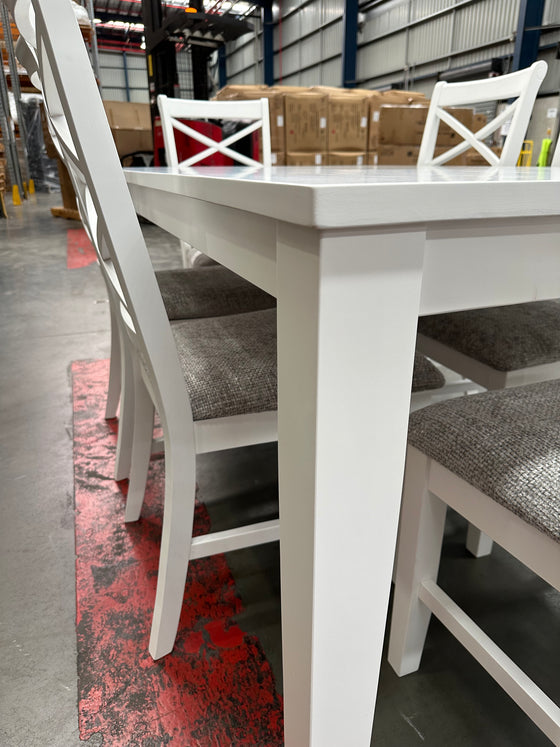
<point x="209" y="291"/>
<point x="426" y="375"/>
<point x="229" y="363"/>
<point x="505" y="338"/>
<point x="505" y="443"/>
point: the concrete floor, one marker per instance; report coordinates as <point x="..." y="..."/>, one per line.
<point x="51" y="316"/>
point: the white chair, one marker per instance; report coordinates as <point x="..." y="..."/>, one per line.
<point x="172" y="113"/>
<point x="522" y="86"/>
<point x="493" y="457"/>
<point x="82" y="133"/>
<point x="503" y="346"/>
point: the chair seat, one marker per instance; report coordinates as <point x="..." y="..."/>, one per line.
<point x="209" y="291"/>
<point x="505" y="443"/>
<point x="229" y="363"/>
<point x="506" y="338"/>
<point x="426" y="375"/>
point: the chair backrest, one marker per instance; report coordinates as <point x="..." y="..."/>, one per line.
<point x="173" y="110"/>
<point x="58" y="59"/>
<point x="522" y="86"/>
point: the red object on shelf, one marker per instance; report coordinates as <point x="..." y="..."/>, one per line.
<point x="187" y="146"/>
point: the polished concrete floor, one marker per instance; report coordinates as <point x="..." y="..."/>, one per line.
<point x="51" y="316"/>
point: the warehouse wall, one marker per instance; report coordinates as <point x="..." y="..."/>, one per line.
<point x="404" y="43"/>
<point x="115" y="67"/>
<point x="113" y="77"/>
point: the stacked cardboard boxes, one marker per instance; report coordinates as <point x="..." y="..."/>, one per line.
<point x="401" y="129"/>
<point x="323" y="125"/>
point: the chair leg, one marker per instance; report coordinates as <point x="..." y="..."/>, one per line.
<point x="188" y="254"/>
<point x="478" y="543"/>
<point x="143" y="428"/>
<point x="126" y="414"/>
<point x="178" y="516"/>
<point x="114" y="388"/>
<point x="420" y="538"/>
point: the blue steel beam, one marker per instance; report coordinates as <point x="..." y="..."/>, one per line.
<point x="350" y="43"/>
<point x="268" y="44"/>
<point x="526" y="49"/>
<point x="222" y="68"/>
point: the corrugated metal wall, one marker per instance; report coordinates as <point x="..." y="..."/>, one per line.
<point x="406" y="43"/>
<point x="409" y="41"/>
<point x="244" y="56"/>
<point x="113" y="77"/>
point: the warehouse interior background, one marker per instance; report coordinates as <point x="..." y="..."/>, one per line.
<point x="51" y="317"/>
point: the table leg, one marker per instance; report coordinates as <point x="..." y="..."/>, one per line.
<point x="347" y="312"/>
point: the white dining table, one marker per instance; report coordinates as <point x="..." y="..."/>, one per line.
<point x="354" y="256"/>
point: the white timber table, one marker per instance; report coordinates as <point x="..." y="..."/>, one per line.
<point x="354" y="256"/>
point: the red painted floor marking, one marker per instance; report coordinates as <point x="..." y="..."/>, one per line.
<point x="80" y="250"/>
<point x="217" y="688"/>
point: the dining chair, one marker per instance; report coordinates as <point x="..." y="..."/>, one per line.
<point x="178" y="117"/>
<point x="172" y="360"/>
<point x="211" y="380"/>
<point x="502" y="346"/>
<point x="216" y="291"/>
<point x="519" y="89"/>
<point x="493" y="458"/>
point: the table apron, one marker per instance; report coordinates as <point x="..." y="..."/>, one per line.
<point x="467" y="264"/>
<point x="490" y="263"/>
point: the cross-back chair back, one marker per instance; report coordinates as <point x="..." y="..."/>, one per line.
<point x="82" y="135"/>
<point x="255" y="112"/>
<point x="522" y="86"/>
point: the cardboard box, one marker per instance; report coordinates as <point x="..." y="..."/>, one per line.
<point x="379" y="98"/>
<point x="457" y="161"/>
<point x="473" y="157"/>
<point x="306" y="122"/>
<point x="448" y="136"/>
<point x="347" y="122"/>
<point x="305" y="159"/>
<point x="346" y="158"/>
<point x="398" y="155"/>
<point x="235" y="92"/>
<point x="479" y="121"/>
<point x="278" y="158"/>
<point x="401" y="125"/>
<point x="131" y="126"/>
<point x="404" y="125"/>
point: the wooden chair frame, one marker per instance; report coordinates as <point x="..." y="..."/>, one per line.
<point x="428" y="489"/>
<point x="522" y="85"/>
<point x="82" y="135"/>
<point x="173" y="110"/>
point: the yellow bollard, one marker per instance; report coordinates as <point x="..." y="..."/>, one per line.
<point x="16" y="198"/>
<point x="25" y="190"/>
<point x="31" y="187"/>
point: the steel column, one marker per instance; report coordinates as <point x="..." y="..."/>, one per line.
<point x="526" y="49"/>
<point x="268" y="44"/>
<point x="350" y="43"/>
<point x="125" y="68"/>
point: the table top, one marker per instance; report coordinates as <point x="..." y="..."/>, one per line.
<point x="337" y="196"/>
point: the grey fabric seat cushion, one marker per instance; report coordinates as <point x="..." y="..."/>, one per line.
<point x="506" y="443"/>
<point x="506" y="338"/>
<point x="426" y="375"/>
<point x="209" y="291"/>
<point x="229" y="363"/>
